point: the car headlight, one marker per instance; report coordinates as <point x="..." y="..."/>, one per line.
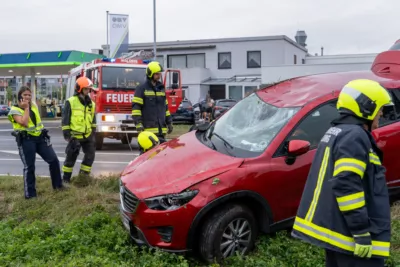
<point x="171" y="201"/>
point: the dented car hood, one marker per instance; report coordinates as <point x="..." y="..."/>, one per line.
<point x="174" y="166"/>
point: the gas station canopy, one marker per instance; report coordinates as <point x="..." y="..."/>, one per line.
<point x="43" y="63"/>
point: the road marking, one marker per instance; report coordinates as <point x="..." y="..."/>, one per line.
<point x="63" y="152"/>
<point x="62" y="159"/>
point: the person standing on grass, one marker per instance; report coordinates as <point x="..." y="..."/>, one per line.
<point x="32" y="138"/>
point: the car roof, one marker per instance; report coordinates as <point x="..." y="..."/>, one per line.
<point x="299" y="91"/>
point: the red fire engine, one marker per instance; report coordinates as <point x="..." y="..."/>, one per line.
<point x="116" y="80"/>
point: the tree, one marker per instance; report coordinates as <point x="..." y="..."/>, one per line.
<point x="9" y="94"/>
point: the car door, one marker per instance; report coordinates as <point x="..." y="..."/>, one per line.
<point x="387" y="137"/>
<point x="291" y="178"/>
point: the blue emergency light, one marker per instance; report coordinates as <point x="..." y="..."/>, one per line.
<point x="108" y="59"/>
<point x="147" y="61"/>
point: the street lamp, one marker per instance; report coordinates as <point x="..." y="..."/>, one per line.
<point x="154" y="30"/>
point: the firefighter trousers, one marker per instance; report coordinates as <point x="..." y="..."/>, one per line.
<point x="72" y="151"/>
<point x="27" y="151"/>
<point x="337" y="259"/>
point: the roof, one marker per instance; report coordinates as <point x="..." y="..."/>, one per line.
<point x="209" y="43"/>
<point x="299" y="91"/>
<point x="46" y="63"/>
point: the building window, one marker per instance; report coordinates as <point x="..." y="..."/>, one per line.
<point x="187" y="61"/>
<point x="160" y="59"/>
<point x="235" y="92"/>
<point x="253" y="59"/>
<point x="225" y="60"/>
<point x="295" y="59"/>
<point x="248" y="90"/>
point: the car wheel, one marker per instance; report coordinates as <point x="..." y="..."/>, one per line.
<point x="228" y="231"/>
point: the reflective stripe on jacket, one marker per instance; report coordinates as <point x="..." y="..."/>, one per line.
<point x="78" y="118"/>
<point x="150" y="107"/>
<point x="31" y="129"/>
<point x="345" y="193"/>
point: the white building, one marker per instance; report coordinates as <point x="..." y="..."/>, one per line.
<point x="228" y="67"/>
<point x="318" y="65"/>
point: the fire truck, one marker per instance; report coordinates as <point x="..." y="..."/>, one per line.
<point x="116" y="80"/>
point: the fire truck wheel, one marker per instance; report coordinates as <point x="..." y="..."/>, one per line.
<point x="126" y="140"/>
<point x="99" y="141"/>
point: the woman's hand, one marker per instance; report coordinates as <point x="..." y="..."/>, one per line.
<point x="24" y="104"/>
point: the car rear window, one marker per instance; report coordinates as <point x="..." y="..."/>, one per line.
<point x="226" y="103"/>
<point x="186" y="104"/>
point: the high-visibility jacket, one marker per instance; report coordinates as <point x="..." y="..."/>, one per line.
<point x="34" y="127"/>
<point x="150" y="107"/>
<point x="345" y="193"/>
<point x="79" y="117"/>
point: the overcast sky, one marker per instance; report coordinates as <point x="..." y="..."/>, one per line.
<point x="341" y="26"/>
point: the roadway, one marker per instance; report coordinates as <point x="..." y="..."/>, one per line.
<point x="112" y="159"/>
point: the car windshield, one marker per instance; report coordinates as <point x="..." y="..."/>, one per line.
<point x="122" y="78"/>
<point x="250" y="126"/>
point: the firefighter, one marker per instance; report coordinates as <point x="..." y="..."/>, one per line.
<point x="150" y="105"/>
<point x="79" y="128"/>
<point x="345" y="205"/>
<point x="147" y="140"/>
<point x="32" y="138"/>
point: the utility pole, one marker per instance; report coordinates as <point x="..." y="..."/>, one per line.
<point x="154" y="30"/>
<point x="108" y="45"/>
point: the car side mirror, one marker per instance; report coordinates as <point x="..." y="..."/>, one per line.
<point x="296" y="148"/>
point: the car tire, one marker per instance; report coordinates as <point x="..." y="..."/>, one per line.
<point x="214" y="242"/>
<point x="99" y="141"/>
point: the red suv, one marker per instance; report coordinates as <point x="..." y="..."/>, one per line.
<point x="214" y="190"/>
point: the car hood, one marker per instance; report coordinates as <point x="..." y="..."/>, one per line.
<point x="174" y="166"/>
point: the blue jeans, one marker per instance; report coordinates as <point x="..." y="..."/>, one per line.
<point x="27" y="151"/>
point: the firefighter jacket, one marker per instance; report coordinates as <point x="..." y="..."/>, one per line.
<point x="79" y="118"/>
<point x="35" y="125"/>
<point x="345" y="193"/>
<point x="150" y="107"/>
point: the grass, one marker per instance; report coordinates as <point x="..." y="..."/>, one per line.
<point x="179" y="129"/>
<point x="81" y="227"/>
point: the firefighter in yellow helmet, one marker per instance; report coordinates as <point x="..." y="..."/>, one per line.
<point x="147" y="140"/>
<point x="79" y="126"/>
<point x="150" y="105"/>
<point x="345" y="204"/>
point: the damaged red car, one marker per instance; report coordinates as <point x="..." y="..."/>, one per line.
<point x="214" y="190"/>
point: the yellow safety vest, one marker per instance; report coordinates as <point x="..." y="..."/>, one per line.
<point x="31" y="129"/>
<point x="81" y="118"/>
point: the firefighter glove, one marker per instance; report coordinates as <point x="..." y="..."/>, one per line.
<point x="67" y="135"/>
<point x="139" y="127"/>
<point x="363" y="245"/>
<point x="170" y="128"/>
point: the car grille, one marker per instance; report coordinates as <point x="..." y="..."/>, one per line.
<point x="129" y="200"/>
<point x="118" y="108"/>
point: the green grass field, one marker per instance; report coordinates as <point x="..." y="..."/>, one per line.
<point x="81" y="227"/>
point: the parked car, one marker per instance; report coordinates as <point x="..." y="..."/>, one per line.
<point x="221" y="106"/>
<point x="184" y="113"/>
<point x="4" y="109"/>
<point x="214" y="190"/>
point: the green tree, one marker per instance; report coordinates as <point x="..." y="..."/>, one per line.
<point x="9" y="95"/>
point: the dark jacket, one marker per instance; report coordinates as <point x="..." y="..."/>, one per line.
<point x="345" y="193"/>
<point x="150" y="107"/>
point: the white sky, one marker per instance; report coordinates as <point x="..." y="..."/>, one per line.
<point x="341" y="26"/>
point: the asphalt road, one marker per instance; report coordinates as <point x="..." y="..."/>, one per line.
<point x="113" y="158"/>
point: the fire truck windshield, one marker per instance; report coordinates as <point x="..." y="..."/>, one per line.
<point x="122" y="78"/>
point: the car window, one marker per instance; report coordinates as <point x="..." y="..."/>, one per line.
<point x="226" y="103"/>
<point x="391" y="114"/>
<point x="186" y="104"/>
<point x="315" y="124"/>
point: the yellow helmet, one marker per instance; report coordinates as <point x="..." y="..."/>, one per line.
<point x="153" y="67"/>
<point x="364" y="98"/>
<point x="147" y="140"/>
